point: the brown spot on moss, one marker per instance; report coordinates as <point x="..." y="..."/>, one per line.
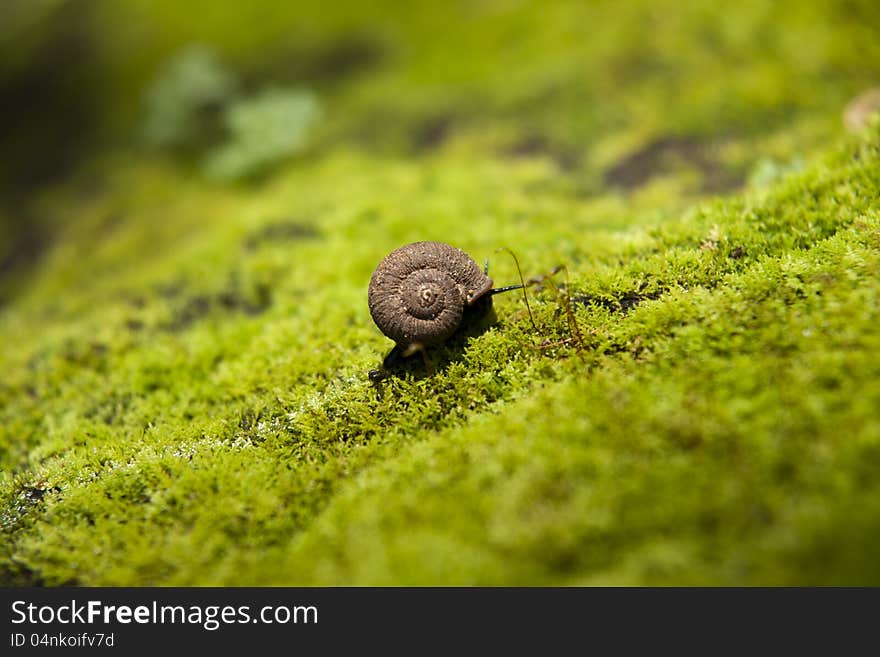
<point x="567" y="158"/>
<point x="199" y="306"/>
<point x="192" y="310"/>
<point x="281" y="231"/>
<point x="434" y="131"/>
<point x="666" y="155"/>
<point x="316" y="62"/>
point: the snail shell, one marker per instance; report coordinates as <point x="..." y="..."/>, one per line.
<point x="418" y="293"/>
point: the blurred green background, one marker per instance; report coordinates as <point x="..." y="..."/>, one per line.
<point x="582" y="81"/>
<point x="193" y="196"/>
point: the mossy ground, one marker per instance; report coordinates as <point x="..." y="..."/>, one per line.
<point x="185" y="396"/>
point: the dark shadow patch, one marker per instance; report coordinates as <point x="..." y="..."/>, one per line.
<point x="50" y="121"/>
<point x="567" y="158"/>
<point x="197" y="307"/>
<point x="87" y="354"/>
<point x="434" y="131"/>
<point x="167" y="291"/>
<point x="344" y="58"/>
<point x="666" y="155"/>
<point x="477" y="319"/>
<point x="49" y="108"/>
<point x="192" y="310"/>
<point x="249" y="305"/>
<point x="620" y="303"/>
<point x="318" y="62"/>
<point x="282" y="231"/>
<point x="26" y="248"/>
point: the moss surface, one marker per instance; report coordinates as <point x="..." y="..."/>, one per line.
<point x="185" y="396"/>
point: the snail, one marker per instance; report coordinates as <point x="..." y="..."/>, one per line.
<point x="420" y="292"/>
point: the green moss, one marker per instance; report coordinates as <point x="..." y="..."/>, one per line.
<point x="185" y="396"/>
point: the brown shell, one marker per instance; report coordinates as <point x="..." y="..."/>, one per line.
<point x="418" y="293"/>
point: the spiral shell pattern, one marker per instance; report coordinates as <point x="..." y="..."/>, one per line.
<point x="418" y="293"/>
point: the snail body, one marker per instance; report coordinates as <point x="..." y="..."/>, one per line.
<point x="419" y="293"/>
